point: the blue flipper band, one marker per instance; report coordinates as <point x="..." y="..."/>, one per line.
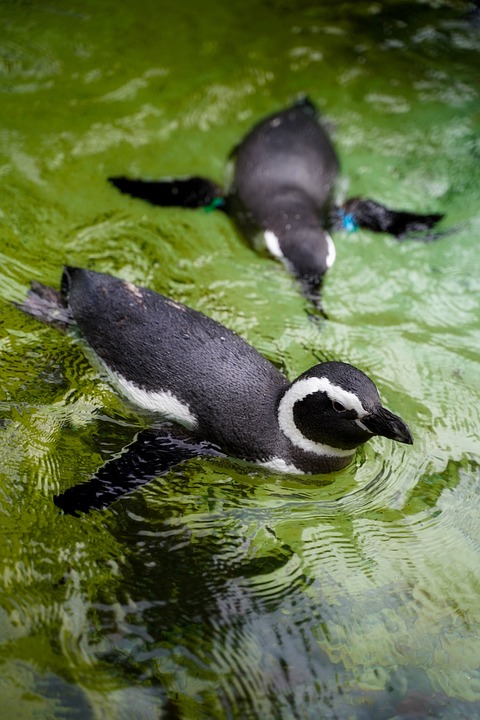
<point x="348" y="221"/>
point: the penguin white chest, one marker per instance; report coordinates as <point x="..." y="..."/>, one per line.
<point x="162" y="403"/>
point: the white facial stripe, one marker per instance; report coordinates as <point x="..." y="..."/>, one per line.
<point x="336" y="393"/>
<point x="273" y="244"/>
<point x="332" y="252"/>
<point x="280" y="466"/>
<point x="163" y="403"/>
<point x="273" y="247"/>
<point x="298" y="391"/>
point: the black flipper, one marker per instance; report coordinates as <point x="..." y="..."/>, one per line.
<point x="366" y="213"/>
<point x="152" y="454"/>
<point x="189" y="192"/>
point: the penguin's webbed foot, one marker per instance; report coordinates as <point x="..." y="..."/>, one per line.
<point x="189" y="192"/>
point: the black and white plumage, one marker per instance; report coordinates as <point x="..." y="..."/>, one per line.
<point x="184" y="367"/>
<point x="284" y="173"/>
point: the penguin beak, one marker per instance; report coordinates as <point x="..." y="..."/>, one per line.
<point x="385" y="423"/>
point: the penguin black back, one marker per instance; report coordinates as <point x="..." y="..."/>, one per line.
<point x="290" y="151"/>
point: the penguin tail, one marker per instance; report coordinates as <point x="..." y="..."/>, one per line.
<point x="306" y="103"/>
<point x="188" y="192"/>
<point x="369" y="214"/>
<point x="47" y="305"/>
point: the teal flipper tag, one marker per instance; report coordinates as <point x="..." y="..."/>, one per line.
<point x="348" y="222"/>
<point x="216" y="203"/>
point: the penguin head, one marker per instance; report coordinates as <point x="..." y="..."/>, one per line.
<point x="333" y="408"/>
<point x="308" y="251"/>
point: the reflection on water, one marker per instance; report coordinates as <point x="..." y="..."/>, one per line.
<point x="217" y="590"/>
<point x="281" y="612"/>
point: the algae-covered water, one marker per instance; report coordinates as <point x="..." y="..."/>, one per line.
<point x="219" y="590"/>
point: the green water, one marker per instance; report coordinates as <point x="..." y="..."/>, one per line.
<point x="220" y="591"/>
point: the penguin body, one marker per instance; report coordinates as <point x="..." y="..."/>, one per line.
<point x="289" y="149"/>
<point x="184" y="367"/>
<point x="284" y="172"/>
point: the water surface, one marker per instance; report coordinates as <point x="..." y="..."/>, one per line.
<point x="218" y="590"/>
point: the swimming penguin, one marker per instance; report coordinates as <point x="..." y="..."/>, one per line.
<point x="280" y="196"/>
<point x="186" y="368"/>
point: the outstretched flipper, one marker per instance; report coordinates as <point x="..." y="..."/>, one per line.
<point x="369" y="214"/>
<point x="189" y="192"/>
<point x="152" y="454"/>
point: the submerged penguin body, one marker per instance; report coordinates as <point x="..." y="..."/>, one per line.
<point x="284" y="173"/>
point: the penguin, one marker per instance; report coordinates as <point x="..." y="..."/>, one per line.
<point x="280" y="195"/>
<point x="182" y="367"/>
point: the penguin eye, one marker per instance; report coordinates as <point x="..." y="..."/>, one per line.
<point x="338" y="407"/>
